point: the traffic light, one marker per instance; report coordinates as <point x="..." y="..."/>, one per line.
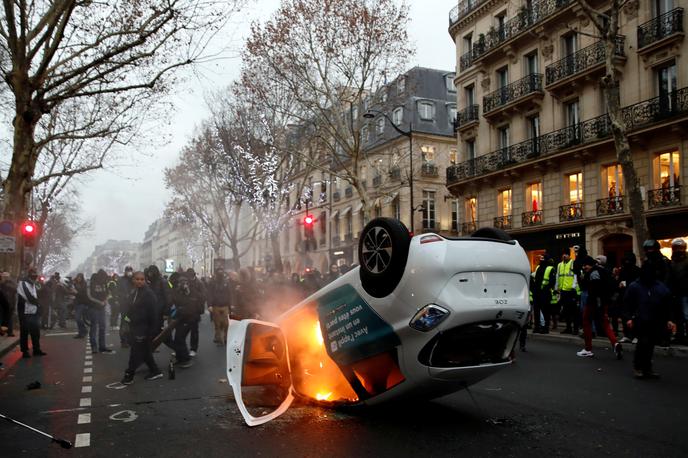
<point x="308" y="221"/>
<point x="29" y="231"/>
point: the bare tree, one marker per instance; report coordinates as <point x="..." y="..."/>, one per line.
<point x="329" y="57"/>
<point x="607" y="26"/>
<point x="104" y="63"/>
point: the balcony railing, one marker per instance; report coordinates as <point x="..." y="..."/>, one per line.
<point x="395" y="173"/>
<point x="532" y="218"/>
<point x="465" y="61"/>
<point x="468" y="228"/>
<point x="463" y="9"/>
<point x="377" y="180"/>
<point x="571" y="212"/>
<point x="660" y="27"/>
<point x="503" y="222"/>
<point x="519" y="24"/>
<point x="635" y="116"/>
<point x="581" y="60"/>
<point x="664" y="197"/>
<point x="468" y="115"/>
<point x="610" y="206"/>
<point x="336" y="196"/>
<point x="512" y="92"/>
<point x="349" y="192"/>
<point x="429" y="170"/>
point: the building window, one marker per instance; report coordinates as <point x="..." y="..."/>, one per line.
<point x="469" y="95"/>
<point x="613" y="180"/>
<point x="533" y="127"/>
<point x="470" y="150"/>
<point x="451" y="114"/>
<point x="666" y="170"/>
<point x="428" y="153"/>
<point x="666" y="85"/>
<point x="383" y="95"/>
<point x="455" y="215"/>
<point x="504" y="202"/>
<point x="534" y="196"/>
<point x="572" y="113"/>
<point x="364" y="134"/>
<point x="401" y="85"/>
<point x="426" y="111"/>
<point x="429" y="210"/>
<point x="503" y="136"/>
<point x="396" y="208"/>
<point x="349" y="224"/>
<point x="574" y="182"/>
<point x="531" y="63"/>
<point x="660" y="7"/>
<point x="569" y="44"/>
<point x="449" y="82"/>
<point x="453" y="157"/>
<point x="323" y="184"/>
<point x="335" y="227"/>
<point x="471" y="209"/>
<point x="502" y="77"/>
<point x="354" y="113"/>
<point x="467" y="43"/>
<point x="398" y="115"/>
<point x="380" y="126"/>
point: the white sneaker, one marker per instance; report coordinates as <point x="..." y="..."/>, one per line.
<point x="192" y="353"/>
<point x="635" y="340"/>
<point x="585" y="353"/>
<point x="625" y="340"/>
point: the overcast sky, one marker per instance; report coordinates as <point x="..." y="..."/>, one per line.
<point x="122" y="203"/>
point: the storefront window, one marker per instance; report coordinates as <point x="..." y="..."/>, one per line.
<point x="667" y="171"/>
<point x="534" y="196"/>
<point x="575" y="187"/>
<point x="614" y="180"/>
<point x="504" y="202"/>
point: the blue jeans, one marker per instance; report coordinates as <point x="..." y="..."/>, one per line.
<point x="97" y="316"/>
<point x="79" y="311"/>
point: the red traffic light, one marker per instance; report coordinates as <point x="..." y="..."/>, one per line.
<point x="308" y="220"/>
<point x="29" y="231"/>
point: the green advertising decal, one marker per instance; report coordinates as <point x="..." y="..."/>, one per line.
<point x="351" y="328"/>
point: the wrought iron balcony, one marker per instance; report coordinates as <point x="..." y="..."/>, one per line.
<point x="503" y="222"/>
<point x="429" y="170"/>
<point x="463" y="9"/>
<point x="510" y="93"/>
<point x="467" y="116"/>
<point x="664" y="197"/>
<point x="336" y="196"/>
<point x="468" y="228"/>
<point x="348" y="192"/>
<point x="610" y="206"/>
<point x="635" y="116"/>
<point x="465" y="61"/>
<point x="581" y="61"/>
<point x="377" y="180"/>
<point x="533" y="218"/>
<point x="516" y="26"/>
<point x="661" y="27"/>
<point x="571" y="212"/>
<point x="395" y="173"/>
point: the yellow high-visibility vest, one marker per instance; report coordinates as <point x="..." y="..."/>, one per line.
<point x="565" y="276"/>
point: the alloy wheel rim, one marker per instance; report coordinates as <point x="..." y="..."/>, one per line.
<point x="377" y="250"/>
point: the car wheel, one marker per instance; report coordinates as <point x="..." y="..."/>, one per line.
<point x="382" y="254"/>
<point x="491" y="233"/>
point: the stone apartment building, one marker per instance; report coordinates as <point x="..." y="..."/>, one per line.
<point x="422" y="103"/>
<point x="536" y="155"/>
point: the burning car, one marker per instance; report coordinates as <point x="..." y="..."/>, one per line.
<point x="421" y="316"/>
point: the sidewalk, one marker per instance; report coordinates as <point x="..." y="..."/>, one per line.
<point x="8" y="343"/>
<point x="680" y="351"/>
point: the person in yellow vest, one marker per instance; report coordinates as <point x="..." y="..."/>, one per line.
<point x="543" y="282"/>
<point x="566" y="286"/>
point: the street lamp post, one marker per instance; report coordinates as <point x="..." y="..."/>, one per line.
<point x="408" y="134"/>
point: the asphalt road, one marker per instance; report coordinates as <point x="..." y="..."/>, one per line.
<point x="549" y="402"/>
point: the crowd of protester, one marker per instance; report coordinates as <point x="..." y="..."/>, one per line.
<point x="646" y="305"/>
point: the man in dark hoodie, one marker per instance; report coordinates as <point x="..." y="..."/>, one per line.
<point x="161" y="290"/>
<point x="199" y="289"/>
<point x="543" y="282"/>
<point x="142" y="318"/>
<point x="648" y="308"/>
<point x="186" y="304"/>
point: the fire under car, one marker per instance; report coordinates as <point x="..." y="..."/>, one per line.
<point x="421" y="316"/>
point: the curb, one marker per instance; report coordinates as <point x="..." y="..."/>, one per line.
<point x="679" y="351"/>
<point x="8" y="346"/>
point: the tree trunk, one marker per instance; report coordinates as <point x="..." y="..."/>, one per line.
<point x="276" y="255"/>
<point x="610" y="85"/>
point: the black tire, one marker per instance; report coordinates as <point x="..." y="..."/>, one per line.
<point x="382" y="254"/>
<point x="491" y="233"/>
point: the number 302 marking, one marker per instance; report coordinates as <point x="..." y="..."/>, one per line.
<point x="501" y="301"/>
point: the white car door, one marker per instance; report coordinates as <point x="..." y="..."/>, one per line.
<point x="258" y="370"/>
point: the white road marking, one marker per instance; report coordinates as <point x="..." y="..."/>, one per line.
<point x="86" y="389"/>
<point x="87" y="378"/>
<point x="88" y="363"/>
<point x="116" y="386"/>
<point x="89" y="357"/>
<point x="83" y="440"/>
<point x="85" y="402"/>
<point x="124" y="416"/>
<point x="84" y="418"/>
<point x="88" y="370"/>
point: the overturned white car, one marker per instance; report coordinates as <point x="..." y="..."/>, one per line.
<point x="422" y="316"/>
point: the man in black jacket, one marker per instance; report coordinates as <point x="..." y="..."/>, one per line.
<point x="220" y="293"/>
<point x="143" y="325"/>
<point x="29" y="314"/>
<point x="186" y="303"/>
